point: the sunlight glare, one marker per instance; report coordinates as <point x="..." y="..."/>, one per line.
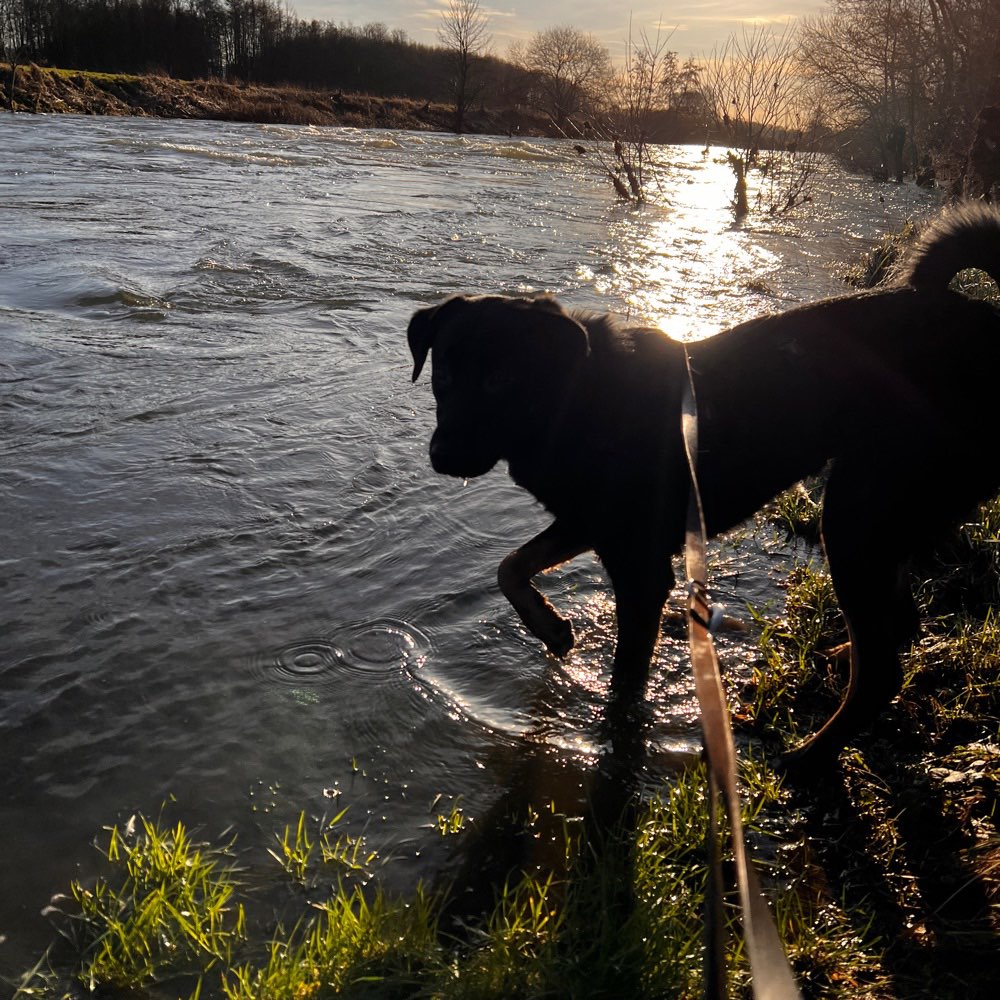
<point x="686" y="267"/>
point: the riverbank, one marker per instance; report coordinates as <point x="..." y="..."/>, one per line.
<point x="40" y="90"/>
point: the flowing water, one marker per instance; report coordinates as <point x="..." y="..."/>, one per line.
<point x="229" y="580"/>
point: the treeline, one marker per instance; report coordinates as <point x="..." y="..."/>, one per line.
<point x="902" y="81"/>
<point x="256" y="41"/>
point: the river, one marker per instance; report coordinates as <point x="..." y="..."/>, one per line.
<point x="229" y="580"/>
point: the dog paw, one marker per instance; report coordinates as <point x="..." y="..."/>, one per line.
<point x="546" y="624"/>
<point x="558" y="638"/>
<point x="807" y="762"/>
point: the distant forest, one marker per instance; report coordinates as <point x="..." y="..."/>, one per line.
<point x="256" y="41"/>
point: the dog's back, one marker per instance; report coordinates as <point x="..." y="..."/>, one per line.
<point x="909" y="370"/>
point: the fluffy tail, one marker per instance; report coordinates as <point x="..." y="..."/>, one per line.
<point x="967" y="235"/>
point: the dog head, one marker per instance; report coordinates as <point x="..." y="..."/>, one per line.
<point x="497" y="365"/>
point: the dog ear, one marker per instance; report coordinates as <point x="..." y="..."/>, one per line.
<point x="420" y="335"/>
<point x="423" y="328"/>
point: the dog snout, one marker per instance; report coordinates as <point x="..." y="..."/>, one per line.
<point x="439" y="456"/>
<point x="451" y="456"/>
<point x="445" y="458"/>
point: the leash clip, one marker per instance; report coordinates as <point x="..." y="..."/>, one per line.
<point x="700" y="608"/>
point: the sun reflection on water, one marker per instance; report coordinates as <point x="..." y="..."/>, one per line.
<point x="683" y="264"/>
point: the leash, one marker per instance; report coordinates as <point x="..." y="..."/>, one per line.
<point x="771" y="975"/>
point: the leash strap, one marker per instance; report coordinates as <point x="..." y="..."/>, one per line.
<point x="770" y="972"/>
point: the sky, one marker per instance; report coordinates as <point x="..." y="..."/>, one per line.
<point x="697" y="25"/>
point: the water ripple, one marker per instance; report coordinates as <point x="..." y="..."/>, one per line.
<point x="384" y="649"/>
<point x="383" y="646"/>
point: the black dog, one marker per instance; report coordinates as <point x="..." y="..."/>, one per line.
<point x="895" y="388"/>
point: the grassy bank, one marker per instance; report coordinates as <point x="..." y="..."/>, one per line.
<point x="50" y="91"/>
<point x="617" y="915"/>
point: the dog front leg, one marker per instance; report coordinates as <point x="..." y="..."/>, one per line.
<point x="555" y="545"/>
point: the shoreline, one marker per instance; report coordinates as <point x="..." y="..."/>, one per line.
<point x="43" y="90"/>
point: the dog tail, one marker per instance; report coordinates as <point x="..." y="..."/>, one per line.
<point x="967" y="235"/>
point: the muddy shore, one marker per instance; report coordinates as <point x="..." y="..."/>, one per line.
<point x="41" y="90"/>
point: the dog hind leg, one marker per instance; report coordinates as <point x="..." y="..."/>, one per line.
<point x="868" y="529"/>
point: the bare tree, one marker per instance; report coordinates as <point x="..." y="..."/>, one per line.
<point x="643" y="86"/>
<point x="869" y="57"/>
<point x="905" y="78"/>
<point x="753" y="89"/>
<point x="11" y="44"/>
<point x="570" y="68"/>
<point x="464" y="32"/>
